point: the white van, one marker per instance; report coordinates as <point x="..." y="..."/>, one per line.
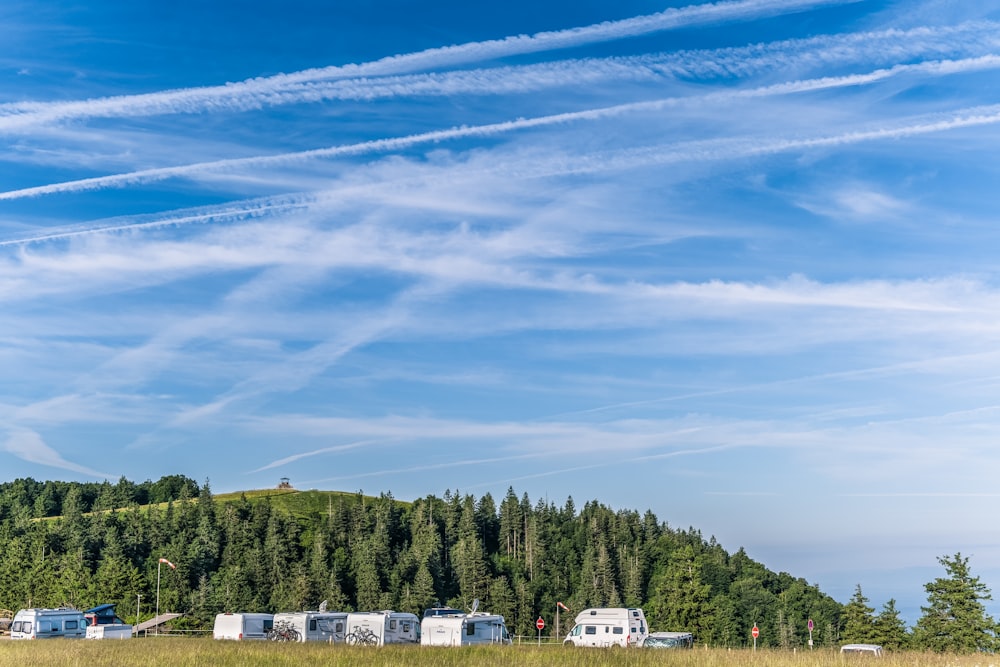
<point x="608" y="626"/>
<point x="315" y="626"/>
<point x="48" y="623"/>
<point x="242" y="626"/>
<point x="377" y="628"/>
<point x="862" y="649"/>
<point x="459" y="629"/>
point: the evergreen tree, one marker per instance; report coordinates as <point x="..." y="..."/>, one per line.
<point x="859" y="620"/>
<point x="955" y="619"/>
<point x="681" y="600"/>
<point x="890" y="630"/>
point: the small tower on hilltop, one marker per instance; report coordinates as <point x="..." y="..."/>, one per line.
<point x="284" y="483"/>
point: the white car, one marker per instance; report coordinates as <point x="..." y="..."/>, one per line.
<point x="668" y="640"/>
<point x="862" y="649"/>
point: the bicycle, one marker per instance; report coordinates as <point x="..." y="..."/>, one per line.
<point x="283" y="631"/>
<point x="362" y="637"/>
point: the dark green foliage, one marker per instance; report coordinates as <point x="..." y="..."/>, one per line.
<point x="955" y="619"/>
<point x="284" y="550"/>
<point x="859" y="620"/>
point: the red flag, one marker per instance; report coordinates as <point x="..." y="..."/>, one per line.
<point x="172" y="566"/>
<point x="562" y="606"/>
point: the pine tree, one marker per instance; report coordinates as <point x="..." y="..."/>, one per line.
<point x="890" y="630"/>
<point x="859" y="619"/>
<point x="955" y="619"/>
<point x="681" y="600"/>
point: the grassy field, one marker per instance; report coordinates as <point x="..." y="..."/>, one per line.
<point x="171" y="651"/>
<point x="300" y="504"/>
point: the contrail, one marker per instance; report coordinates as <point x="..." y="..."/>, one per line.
<point x="726" y="149"/>
<point x="239" y="212"/>
<point x="255" y="93"/>
<point x="936" y="68"/>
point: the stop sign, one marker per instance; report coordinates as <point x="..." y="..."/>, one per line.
<point x="755" y="632"/>
<point x="540" y="623"/>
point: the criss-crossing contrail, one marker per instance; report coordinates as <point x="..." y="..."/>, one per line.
<point x="935" y="68"/>
<point x="255" y="93"/>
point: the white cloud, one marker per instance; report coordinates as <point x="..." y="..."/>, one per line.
<point x="28" y="445"/>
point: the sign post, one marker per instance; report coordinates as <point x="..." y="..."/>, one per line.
<point x="810" y="625"/>
<point x="540" y="624"/>
<point x="756" y="633"/>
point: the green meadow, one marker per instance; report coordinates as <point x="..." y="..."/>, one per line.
<point x="173" y="651"/>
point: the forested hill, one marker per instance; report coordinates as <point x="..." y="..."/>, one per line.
<point x="269" y="552"/>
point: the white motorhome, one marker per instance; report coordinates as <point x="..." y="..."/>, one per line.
<point x="48" y="623"/>
<point x="377" y="628"/>
<point x="241" y="627"/>
<point x="608" y="626"/>
<point x="315" y="626"/>
<point x="458" y="629"/>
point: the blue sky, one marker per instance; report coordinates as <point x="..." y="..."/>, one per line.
<point x="732" y="262"/>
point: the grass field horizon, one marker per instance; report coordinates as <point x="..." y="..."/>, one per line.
<point x="184" y="651"/>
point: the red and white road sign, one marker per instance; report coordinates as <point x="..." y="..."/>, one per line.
<point x="540" y="623"/>
<point x="755" y="632"/>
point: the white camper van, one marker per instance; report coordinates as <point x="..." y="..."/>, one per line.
<point x="459" y="629"/>
<point x="48" y="623"/>
<point x="242" y="626"/>
<point x="315" y="626"/>
<point x="608" y="626"/>
<point x="377" y="628"/>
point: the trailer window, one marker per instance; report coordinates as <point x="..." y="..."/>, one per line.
<point x="312" y="625"/>
<point x="618" y="631"/>
<point x="392" y="625"/>
<point x="470" y="629"/>
<point x="590" y="630"/>
<point x="268" y="624"/>
<point x="26" y="628"/>
<point x="406" y="626"/>
<point x="71" y="625"/>
<point x="16" y="627"/>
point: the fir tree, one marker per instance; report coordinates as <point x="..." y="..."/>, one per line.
<point x="955" y="619"/>
<point x="859" y="620"/>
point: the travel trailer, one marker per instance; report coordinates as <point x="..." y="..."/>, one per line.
<point x="241" y="627"/>
<point x="460" y="629"/>
<point x="48" y="623"/>
<point x="608" y="626"/>
<point x="104" y="623"/>
<point x="377" y="628"/>
<point x="315" y="626"/>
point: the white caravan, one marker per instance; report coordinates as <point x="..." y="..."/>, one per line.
<point x="377" y="628"/>
<point x="48" y="623"/>
<point x="608" y="626"/>
<point x="242" y="627"/>
<point x="315" y="626"/>
<point x="460" y="629"/>
<point x="109" y="631"/>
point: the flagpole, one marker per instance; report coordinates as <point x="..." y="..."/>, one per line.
<point x="156" y="619"/>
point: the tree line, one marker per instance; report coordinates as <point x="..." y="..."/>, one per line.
<point x="69" y="543"/>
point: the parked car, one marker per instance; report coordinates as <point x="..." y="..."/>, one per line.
<point x="668" y="640"/>
<point x="862" y="649"/>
